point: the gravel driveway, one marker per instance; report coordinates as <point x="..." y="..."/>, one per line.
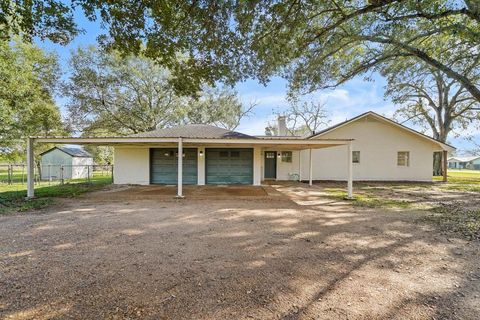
<point x="293" y="255"/>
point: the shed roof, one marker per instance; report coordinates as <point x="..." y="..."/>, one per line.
<point x="202" y="131"/>
<point x="74" y="152"/>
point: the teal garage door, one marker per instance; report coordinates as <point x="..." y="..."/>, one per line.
<point x="164" y="166"/>
<point x="229" y="166"/>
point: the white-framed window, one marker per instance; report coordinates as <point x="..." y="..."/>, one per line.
<point x="286" y="156"/>
<point x="403" y="158"/>
<point x="355" y="156"/>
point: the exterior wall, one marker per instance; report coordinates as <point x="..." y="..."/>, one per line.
<point x="285" y="170"/>
<point x="201" y="166"/>
<point x="257" y="166"/>
<point x="132" y="165"/>
<point x="378" y="144"/>
<point x="81" y="167"/>
<point x="51" y="162"/>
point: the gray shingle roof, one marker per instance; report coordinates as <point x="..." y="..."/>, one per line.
<point x="74" y="152"/>
<point x="193" y="131"/>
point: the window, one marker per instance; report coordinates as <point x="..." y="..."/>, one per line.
<point x="223" y="154"/>
<point x="286" y="156"/>
<point x="403" y="158"/>
<point x="235" y="154"/>
<point x="270" y="155"/>
<point x="355" y="156"/>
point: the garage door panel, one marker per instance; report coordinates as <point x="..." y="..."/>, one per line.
<point x="229" y="166"/>
<point x="164" y="166"/>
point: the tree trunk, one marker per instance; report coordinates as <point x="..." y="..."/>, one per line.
<point x="437" y="164"/>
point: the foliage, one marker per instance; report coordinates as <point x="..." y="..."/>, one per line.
<point x="218" y="106"/>
<point x="314" y="43"/>
<point x="50" y="19"/>
<point x="430" y="99"/>
<point x="111" y="94"/>
<point x="27" y="81"/>
<point x="303" y="118"/>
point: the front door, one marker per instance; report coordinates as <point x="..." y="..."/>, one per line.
<point x="270" y="164"/>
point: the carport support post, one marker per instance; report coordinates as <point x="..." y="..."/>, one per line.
<point x="310" y="178"/>
<point x="180" y="169"/>
<point x="350" y="172"/>
<point x="30" y="169"/>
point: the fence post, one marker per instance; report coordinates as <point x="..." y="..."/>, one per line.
<point x="9" y="174"/>
<point x="61" y="174"/>
<point x="23" y="173"/>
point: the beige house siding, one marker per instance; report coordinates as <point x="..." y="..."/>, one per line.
<point x="132" y="165"/>
<point x="378" y="143"/>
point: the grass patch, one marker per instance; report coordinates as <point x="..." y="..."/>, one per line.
<point x="12" y="197"/>
<point x="455" y="218"/>
<point x="461" y="180"/>
<point x="369" y="199"/>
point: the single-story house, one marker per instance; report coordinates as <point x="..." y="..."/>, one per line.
<point x="472" y="162"/>
<point x="367" y="147"/>
<point x="65" y="163"/>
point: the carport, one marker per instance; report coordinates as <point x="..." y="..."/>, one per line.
<point x="237" y="155"/>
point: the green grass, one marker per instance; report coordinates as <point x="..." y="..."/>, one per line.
<point x="12" y="197"/>
<point x="368" y="199"/>
<point x="461" y="180"/>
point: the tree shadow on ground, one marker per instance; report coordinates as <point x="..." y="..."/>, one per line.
<point x="293" y="257"/>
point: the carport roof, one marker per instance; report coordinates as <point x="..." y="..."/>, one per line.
<point x="193" y="131"/>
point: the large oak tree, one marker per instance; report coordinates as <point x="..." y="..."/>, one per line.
<point x="314" y="43"/>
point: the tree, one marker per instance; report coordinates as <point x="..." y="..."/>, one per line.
<point x="303" y="118"/>
<point x="50" y="19"/>
<point x="27" y="83"/>
<point x="218" y="106"/>
<point x="110" y="94"/>
<point x="432" y="100"/>
<point x="316" y="44"/>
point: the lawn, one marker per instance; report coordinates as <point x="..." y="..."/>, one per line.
<point x="454" y="205"/>
<point x="12" y="196"/>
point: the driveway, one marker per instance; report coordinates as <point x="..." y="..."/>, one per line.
<point x="288" y="253"/>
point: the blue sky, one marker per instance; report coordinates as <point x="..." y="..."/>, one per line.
<point x="351" y="99"/>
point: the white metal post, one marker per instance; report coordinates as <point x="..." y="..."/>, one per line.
<point x="311" y="169"/>
<point x="350" y="172"/>
<point x="30" y="169"/>
<point x="300" y="165"/>
<point x="180" y="169"/>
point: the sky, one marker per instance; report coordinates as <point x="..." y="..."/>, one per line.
<point x="345" y="102"/>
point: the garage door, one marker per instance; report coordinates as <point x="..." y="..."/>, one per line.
<point x="229" y="166"/>
<point x="164" y="166"/>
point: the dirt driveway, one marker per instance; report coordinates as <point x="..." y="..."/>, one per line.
<point x="290" y="254"/>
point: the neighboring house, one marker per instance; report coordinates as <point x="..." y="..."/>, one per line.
<point x="472" y="162"/>
<point x="65" y="163"/>
<point x="381" y="150"/>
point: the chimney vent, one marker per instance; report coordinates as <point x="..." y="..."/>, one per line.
<point x="282" y="126"/>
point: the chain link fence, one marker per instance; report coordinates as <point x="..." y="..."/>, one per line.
<point x="11" y="174"/>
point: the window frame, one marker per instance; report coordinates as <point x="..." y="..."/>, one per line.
<point x="286" y="156"/>
<point x="353" y="157"/>
<point x="405" y="159"/>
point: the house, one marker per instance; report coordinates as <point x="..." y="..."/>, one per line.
<point x="367" y="147"/>
<point x="472" y="162"/>
<point x="65" y="163"/>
